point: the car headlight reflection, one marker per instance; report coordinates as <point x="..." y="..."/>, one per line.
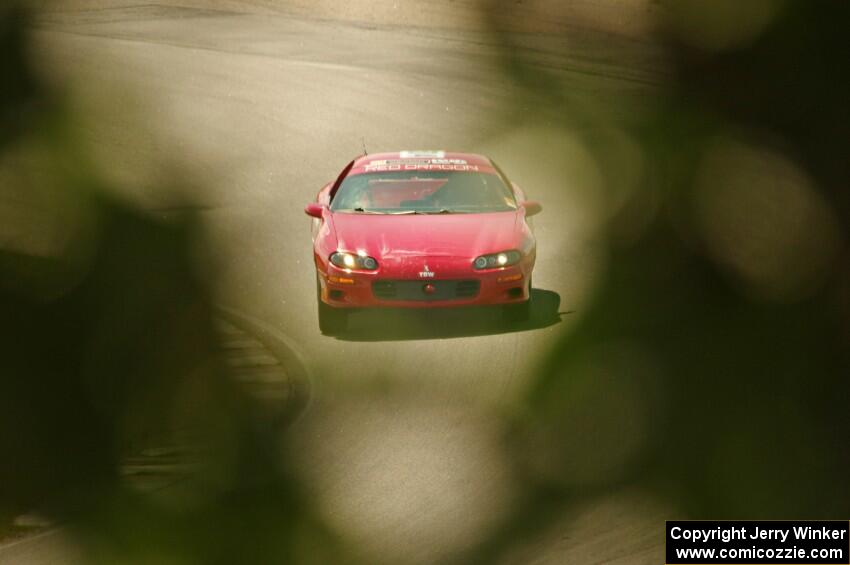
<point x="352" y="261"/>
<point x="497" y="260"/>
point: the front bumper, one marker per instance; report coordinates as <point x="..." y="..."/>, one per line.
<point x="348" y="289"/>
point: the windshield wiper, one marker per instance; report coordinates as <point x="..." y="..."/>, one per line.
<point x="441" y="211"/>
<point x="409" y="212"/>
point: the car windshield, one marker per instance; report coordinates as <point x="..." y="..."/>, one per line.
<point x="423" y="192"/>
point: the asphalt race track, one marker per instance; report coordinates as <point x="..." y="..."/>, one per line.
<point x="260" y="108"/>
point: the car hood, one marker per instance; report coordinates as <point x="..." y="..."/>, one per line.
<point x="448" y="235"/>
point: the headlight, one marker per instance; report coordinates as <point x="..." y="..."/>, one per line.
<point x="496" y="260"/>
<point x="352" y="261"/>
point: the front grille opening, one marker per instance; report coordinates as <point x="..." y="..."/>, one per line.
<point x="465" y="289"/>
<point x="414" y="290"/>
<point x="384" y="289"/>
<point x="336" y="295"/>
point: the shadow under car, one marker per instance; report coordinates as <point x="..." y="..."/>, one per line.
<point x="398" y="324"/>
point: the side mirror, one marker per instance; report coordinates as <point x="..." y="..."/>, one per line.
<point x="314" y="209"/>
<point x="532" y="207"/>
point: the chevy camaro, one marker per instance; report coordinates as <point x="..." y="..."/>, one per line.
<point x="421" y="229"/>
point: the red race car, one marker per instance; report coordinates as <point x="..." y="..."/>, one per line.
<point x="421" y="229"/>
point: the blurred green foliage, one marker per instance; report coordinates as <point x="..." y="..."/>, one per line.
<point x="728" y="402"/>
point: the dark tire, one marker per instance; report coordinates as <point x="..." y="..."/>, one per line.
<point x="517" y="313"/>
<point x="331" y="320"/>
